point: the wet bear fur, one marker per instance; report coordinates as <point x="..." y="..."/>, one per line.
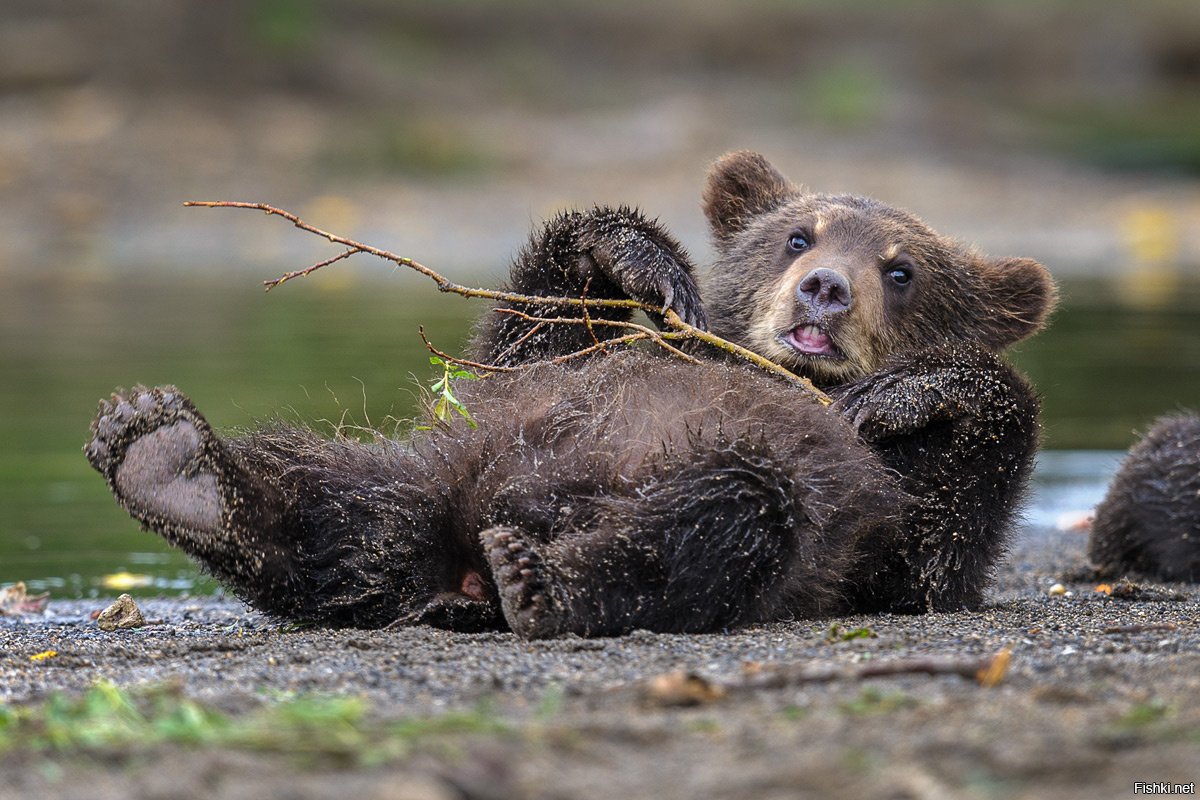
<point x="1148" y="524"/>
<point x="631" y="490"/>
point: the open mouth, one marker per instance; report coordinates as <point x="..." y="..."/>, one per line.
<point x="810" y="340"/>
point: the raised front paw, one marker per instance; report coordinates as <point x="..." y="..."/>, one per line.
<point x="892" y="405"/>
<point x="937" y="385"/>
<point x="643" y="260"/>
<point x="151" y="445"/>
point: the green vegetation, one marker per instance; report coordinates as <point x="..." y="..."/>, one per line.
<point x="285" y="26"/>
<point x="447" y="405"/>
<point x="1144" y="714"/>
<point x="846" y="95"/>
<point x="312" y="729"/>
<point x="837" y="633"/>
<point x="1152" y="132"/>
<point x="872" y="701"/>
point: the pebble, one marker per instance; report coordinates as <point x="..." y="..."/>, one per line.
<point x="123" y="613"/>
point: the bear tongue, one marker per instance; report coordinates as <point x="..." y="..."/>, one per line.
<point x="810" y="340"/>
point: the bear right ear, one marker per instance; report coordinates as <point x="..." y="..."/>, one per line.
<point x="1019" y="298"/>
<point x="741" y="186"/>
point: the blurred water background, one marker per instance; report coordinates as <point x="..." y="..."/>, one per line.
<point x="1064" y="130"/>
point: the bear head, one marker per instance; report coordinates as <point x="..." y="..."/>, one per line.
<point x="831" y="286"/>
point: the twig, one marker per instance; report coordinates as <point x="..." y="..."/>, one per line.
<point x="754" y="358"/>
<point x="988" y="671"/>
<point x="682" y="688"/>
<point x="526" y="337"/>
<point x="597" y="348"/>
<point x="650" y="334"/>
<point x="444" y="284"/>
<point x="287" y="276"/>
<point x="462" y="362"/>
<point x="587" y="319"/>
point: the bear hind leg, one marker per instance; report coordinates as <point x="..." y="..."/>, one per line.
<point x="167" y="468"/>
<point x="713" y="545"/>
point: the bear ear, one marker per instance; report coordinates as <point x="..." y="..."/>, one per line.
<point x="1020" y="296"/>
<point x="741" y="186"/>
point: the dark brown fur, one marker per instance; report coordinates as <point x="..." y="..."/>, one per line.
<point x="632" y="490"/>
<point x="1149" y="522"/>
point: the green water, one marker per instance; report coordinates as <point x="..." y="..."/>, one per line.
<point x="337" y="351"/>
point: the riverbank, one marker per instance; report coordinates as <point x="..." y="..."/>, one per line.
<point x="1099" y="692"/>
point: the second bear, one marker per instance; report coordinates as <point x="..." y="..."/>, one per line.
<point x="1149" y="522"/>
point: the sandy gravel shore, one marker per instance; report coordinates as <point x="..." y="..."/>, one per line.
<point x="1100" y="692"/>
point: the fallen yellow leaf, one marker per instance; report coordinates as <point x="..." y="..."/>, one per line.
<point x="682" y="689"/>
<point x="42" y="656"/>
<point x="994" y="672"/>
<point x="126" y="580"/>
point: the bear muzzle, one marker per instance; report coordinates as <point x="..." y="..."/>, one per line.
<point x="823" y="296"/>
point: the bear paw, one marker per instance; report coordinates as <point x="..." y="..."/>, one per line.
<point x="525" y="583"/>
<point x="644" y="261"/>
<point x="151" y="446"/>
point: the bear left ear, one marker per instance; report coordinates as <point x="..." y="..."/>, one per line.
<point x="741" y="186"/>
<point x="1019" y="297"/>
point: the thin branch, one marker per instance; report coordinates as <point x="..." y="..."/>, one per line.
<point x="526" y="337"/>
<point x="682" y="688"/>
<point x="462" y="362"/>
<point x="587" y="318"/>
<point x="657" y="337"/>
<point x="987" y="671"/>
<point x="754" y="358"/>
<point x="596" y="348"/>
<point x="444" y="284"/>
<point x="287" y="276"/>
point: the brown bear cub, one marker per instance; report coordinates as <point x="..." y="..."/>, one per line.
<point x="1149" y="522"/>
<point x="632" y="490"/>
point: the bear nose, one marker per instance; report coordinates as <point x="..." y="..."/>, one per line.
<point x="825" y="290"/>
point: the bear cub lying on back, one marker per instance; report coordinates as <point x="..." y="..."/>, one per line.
<point x="632" y="490"/>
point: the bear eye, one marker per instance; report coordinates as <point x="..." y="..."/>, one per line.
<point x="798" y="243"/>
<point x="900" y="275"/>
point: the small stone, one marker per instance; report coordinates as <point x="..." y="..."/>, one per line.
<point x="1057" y="590"/>
<point x="124" y="613"/>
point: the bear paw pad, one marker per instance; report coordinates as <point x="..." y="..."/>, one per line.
<point x="526" y="584"/>
<point x="150" y="446"/>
